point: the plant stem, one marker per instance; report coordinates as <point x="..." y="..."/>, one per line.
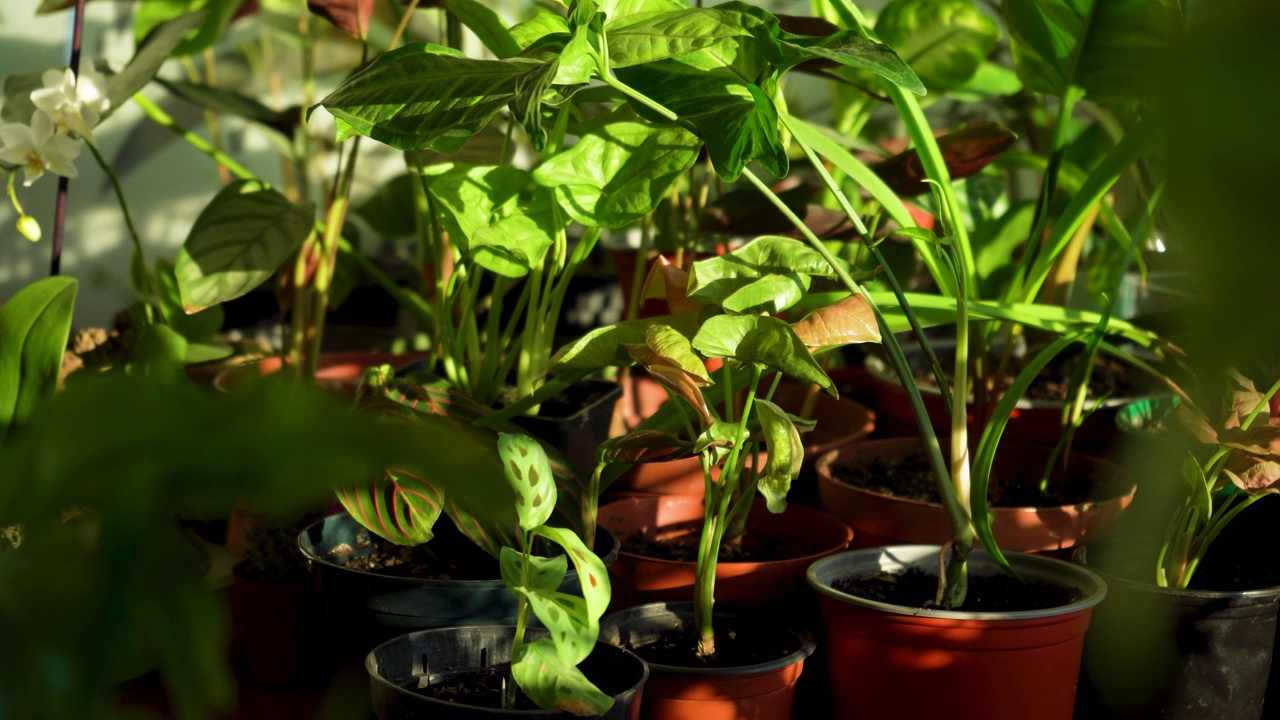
<point x="148" y="284"/>
<point x="60" y="207"/>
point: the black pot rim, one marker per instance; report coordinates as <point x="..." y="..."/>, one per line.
<point x="315" y="557"/>
<point x="1080" y="555"/>
<point x="807" y="642"/>
<point x="376" y="677"/>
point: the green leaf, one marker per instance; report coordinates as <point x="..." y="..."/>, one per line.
<point x="573" y="632"/>
<point x="196" y="327"/>
<point x="643" y="446"/>
<point x="410" y="97"/>
<point x="538" y="27"/>
<point x="605" y="347"/>
<point x="650" y="37"/>
<point x="851" y="48"/>
<point x="217" y="13"/>
<point x="471" y="197"/>
<point x="994" y="243"/>
<point x="592" y="573"/>
<point x="1101" y="47"/>
<point x="619" y="173"/>
<point x="528" y="473"/>
<point x="487" y="26"/>
<point x="34" y="325"/>
<point x="616" y="10"/>
<point x="762" y="340"/>
<point x="152" y="51"/>
<point x="229" y="102"/>
<point x="990" y="80"/>
<point x="767" y="275"/>
<point x="846" y="321"/>
<point x="674" y="348"/>
<point x="239" y="240"/>
<point x="545" y="573"/>
<point x="386" y="210"/>
<point x="550" y="683"/>
<point x="531" y="87"/>
<point x="786" y="454"/>
<point x="683" y="385"/>
<point x="516" y="244"/>
<point x="944" y="41"/>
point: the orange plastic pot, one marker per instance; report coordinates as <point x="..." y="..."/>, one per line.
<point x="765" y="691"/>
<point x="802" y="534"/>
<point x="879" y="519"/>
<point x="341" y="371"/>
<point x="890" y="661"/>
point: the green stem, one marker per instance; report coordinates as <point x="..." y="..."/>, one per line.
<point x="147" y="281"/>
<point x="162" y="118"/>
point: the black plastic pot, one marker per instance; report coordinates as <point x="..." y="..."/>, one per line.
<point x="365" y="608"/>
<point x="1155" y="652"/>
<point x="579" y="434"/>
<point x="398" y="667"/>
<point x="763" y="690"/>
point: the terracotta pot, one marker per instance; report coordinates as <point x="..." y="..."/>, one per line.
<point x="764" y="691"/>
<point x="801" y="533"/>
<point x="341" y="371"/>
<point x="1034" y="422"/>
<point x="840" y="421"/>
<point x="879" y="519"/>
<point x="890" y="661"/>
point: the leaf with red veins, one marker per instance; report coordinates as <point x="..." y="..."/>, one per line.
<point x="843" y="322"/>
<point x="669" y="282"/>
<point x="965" y="151"/>
<point x="350" y="16"/>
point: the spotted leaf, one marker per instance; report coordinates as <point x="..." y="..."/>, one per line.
<point x="529" y="474"/>
<point x="553" y="684"/>
<point x="592" y="574"/>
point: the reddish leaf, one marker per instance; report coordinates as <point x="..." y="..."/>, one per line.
<point x="644" y="446"/>
<point x="668" y="281"/>
<point x="846" y="321"/>
<point x="1197" y="424"/>
<point x="1244" y="398"/>
<point x="966" y="151"/>
<point x="1261" y="440"/>
<point x="746" y="212"/>
<point x="350" y="16"/>
<point x="806" y="25"/>
<point x="1257" y="478"/>
<point x="685" y="385"/>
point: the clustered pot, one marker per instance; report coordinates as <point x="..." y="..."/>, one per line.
<point x="411" y="662"/>
<point x="802" y="534"/>
<point x="880" y="519"/>
<point x="895" y="661"/>
<point x="760" y="690"/>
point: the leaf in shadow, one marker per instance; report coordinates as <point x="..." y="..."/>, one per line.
<point x="966" y="151"/>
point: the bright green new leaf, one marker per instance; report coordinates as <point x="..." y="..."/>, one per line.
<point x="786" y="454"/>
<point x="196" y="327"/>
<point x="216" y="15"/>
<point x="761" y="340"/>
<point x="650" y="37"/>
<point x="944" y="41"/>
<point x="592" y="573"/>
<point x="538" y="27"/>
<point x="573" y="632"/>
<point x="517" y="243"/>
<point x="34" y="325"/>
<point x="674" y="348"/>
<point x="617" y="10"/>
<point x="529" y="473"/>
<point x="617" y="174"/>
<point x="1101" y="47"/>
<point x="551" y="683"/>
<point x="545" y="573"/>
<point x="413" y="96"/>
<point x="767" y="275"/>
<point x="470" y="196"/>
<point x="606" y="346"/>
<point x="239" y="240"/>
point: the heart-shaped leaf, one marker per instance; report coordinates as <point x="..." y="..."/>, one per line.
<point x="944" y="41"/>
<point x="529" y="474"/>
<point x="764" y="341"/>
<point x="240" y="239"/>
<point x="606" y="346"/>
<point x="669" y="282"/>
<point x="651" y="37"/>
<point x="34" y="325"/>
<point x="673" y="348"/>
<point x="472" y="197"/>
<point x="551" y="683"/>
<point x="786" y="454"/>
<point x="768" y="274"/>
<point x="849" y="320"/>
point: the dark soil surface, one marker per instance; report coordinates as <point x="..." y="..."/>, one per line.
<point x="738" y="644"/>
<point x="912" y="478"/>
<point x="448" y="556"/>
<point x="685" y="549"/>
<point x="1054" y="382"/>
<point x="995" y="593"/>
<point x="477" y="688"/>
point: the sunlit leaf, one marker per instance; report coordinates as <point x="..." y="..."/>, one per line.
<point x="943" y="41"/>
<point x="845" y="321"/>
<point x="528" y="473"/>
<point x="34" y="325"/>
<point x="786" y="454"/>
<point x="762" y="340"/>
<point x="551" y="683"/>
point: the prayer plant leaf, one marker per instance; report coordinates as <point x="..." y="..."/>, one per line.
<point x="943" y="41"/>
<point x="786" y="454"/>
<point x="843" y="322"/>
<point x="528" y="472"/>
<point x="761" y="340"/>
<point x="572" y="630"/>
<point x="545" y="573"/>
<point x="238" y="241"/>
<point x="551" y="683"/>
<point x="617" y="174"/>
<point x="34" y="325"/>
<point x="413" y="96"/>
<point x="592" y="573"/>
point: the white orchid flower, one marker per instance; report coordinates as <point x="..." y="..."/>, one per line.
<point x="73" y="105"/>
<point x="37" y="147"/>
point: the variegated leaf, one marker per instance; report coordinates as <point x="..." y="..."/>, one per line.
<point x="529" y="473"/>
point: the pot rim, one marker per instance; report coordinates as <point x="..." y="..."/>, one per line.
<point x="1044" y="568"/>
<point x="1079" y="558"/>
<point x="812" y="512"/>
<point x="808" y="643"/>
<point x="374" y="676"/>
<point x="823" y="468"/>
<point x="315" y="557"/>
<point x="879" y="370"/>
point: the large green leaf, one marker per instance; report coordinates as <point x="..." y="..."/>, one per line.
<point x="786" y="454"/>
<point x="767" y="275"/>
<point x="528" y="473"/>
<point x="471" y="196"/>
<point x="487" y="26"/>
<point x="852" y="49"/>
<point x="517" y="243"/>
<point x="619" y="173"/>
<point x="1100" y="47"/>
<point x="606" y="346"/>
<point x="196" y="327"/>
<point x="538" y="27"/>
<point x="761" y="340"/>
<point x="592" y="573"/>
<point x="411" y="97"/>
<point x="34" y="325"/>
<point x="650" y="37"/>
<point x="944" y="41"/>
<point x="239" y="240"/>
<point x="551" y="683"/>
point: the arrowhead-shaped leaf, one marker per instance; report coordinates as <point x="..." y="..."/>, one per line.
<point x="606" y="346"/>
<point x="762" y="340"/>
<point x="1257" y="478"/>
<point x="643" y="446"/>
<point x="849" y="320"/>
<point x="684" y="386"/>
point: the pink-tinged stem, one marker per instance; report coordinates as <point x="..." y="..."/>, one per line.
<point x="60" y="209"/>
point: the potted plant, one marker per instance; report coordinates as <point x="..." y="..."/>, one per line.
<point x="497" y="671"/>
<point x="1196" y="604"/>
